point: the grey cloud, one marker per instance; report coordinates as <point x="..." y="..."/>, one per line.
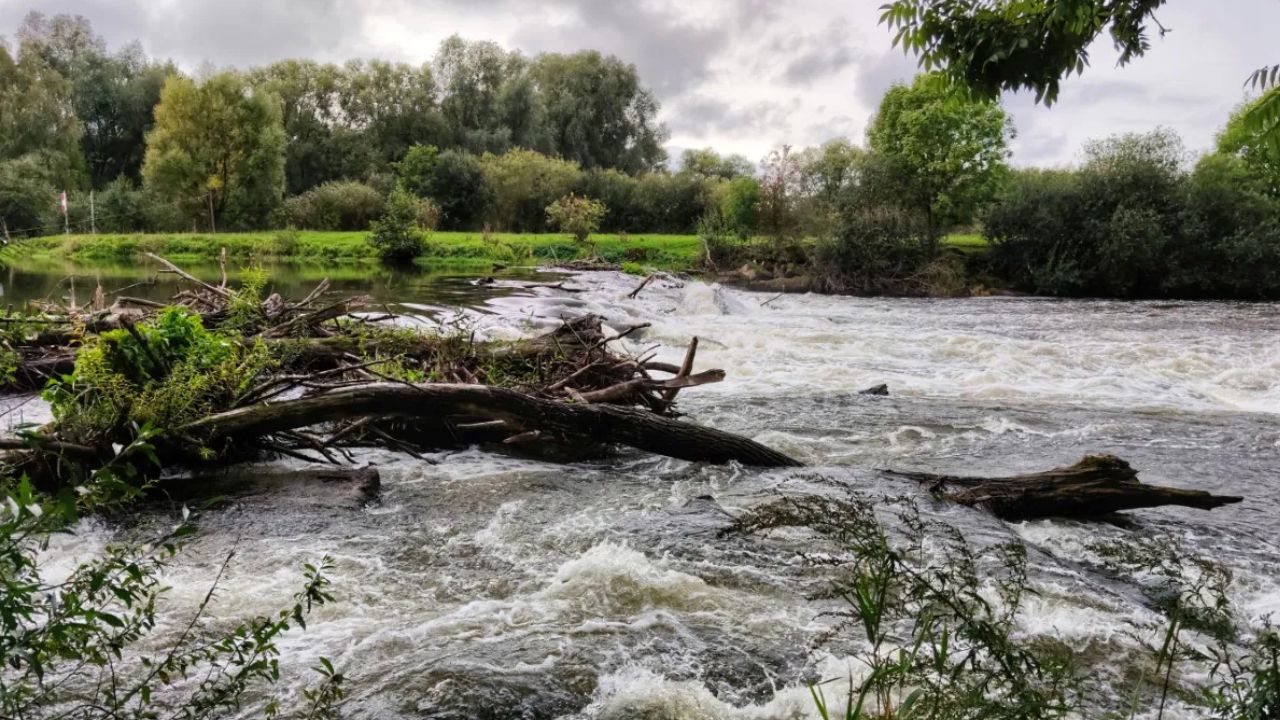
<point x="671" y="54"/>
<point x="251" y="32"/>
<point x="1041" y="149"/>
<point x="700" y="115"/>
<point x="818" y="55"/>
<point x="229" y="32"/>
<point x="876" y="75"/>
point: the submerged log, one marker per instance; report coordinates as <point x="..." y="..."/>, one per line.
<point x="598" y="423"/>
<point x="1096" y="485"/>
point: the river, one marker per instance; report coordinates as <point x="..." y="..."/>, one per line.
<point x="488" y="586"/>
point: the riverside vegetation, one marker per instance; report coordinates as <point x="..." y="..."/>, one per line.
<point x="1132" y="221"/>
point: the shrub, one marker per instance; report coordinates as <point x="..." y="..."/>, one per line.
<point x="876" y="249"/>
<point x="457" y="187"/>
<point x="26" y="196"/>
<point x="576" y="215"/>
<point x="1133" y="223"/>
<point x="426" y="214"/>
<point x="395" y="234"/>
<point x="521" y="184"/>
<point x="741" y="206"/>
<point x="337" y="205"/>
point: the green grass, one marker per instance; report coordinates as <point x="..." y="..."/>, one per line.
<point x="966" y="242"/>
<point x="455" y="249"/>
<point x="669" y="252"/>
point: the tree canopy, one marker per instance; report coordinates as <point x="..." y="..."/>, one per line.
<point x="1253" y="144"/>
<point x="949" y="150"/>
<point x="217" y="144"/>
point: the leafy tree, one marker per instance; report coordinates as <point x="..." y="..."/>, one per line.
<point x="124" y="207"/>
<point x="453" y="181"/>
<point x="576" y="215"/>
<point x="827" y="170"/>
<point x="396" y="234"/>
<point x="27" y="195"/>
<point x="521" y="184"/>
<point x="416" y="171"/>
<point x="1242" y="138"/>
<point x="597" y="112"/>
<point x="670" y="202"/>
<point x="387" y="108"/>
<point x="617" y="191"/>
<point x="949" y="150"/>
<point x="779" y="191"/>
<point x="826" y="173"/>
<point x="36" y="112"/>
<point x="1132" y="222"/>
<point x="741" y="206"/>
<point x="458" y="188"/>
<point x="218" y="145"/>
<point x="321" y="146"/>
<point x="486" y="98"/>
<point x="113" y="94"/>
<point x="708" y="163"/>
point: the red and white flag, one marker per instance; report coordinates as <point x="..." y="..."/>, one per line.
<point x="62" y="202"/>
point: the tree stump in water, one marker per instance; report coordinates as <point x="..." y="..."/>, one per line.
<point x="1096" y="485"/>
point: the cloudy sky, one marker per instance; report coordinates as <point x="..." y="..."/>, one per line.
<point x="739" y="75"/>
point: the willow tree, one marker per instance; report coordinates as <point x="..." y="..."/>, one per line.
<point x="217" y="151"/>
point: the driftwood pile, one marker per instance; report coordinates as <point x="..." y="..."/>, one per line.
<point x="564" y="393"/>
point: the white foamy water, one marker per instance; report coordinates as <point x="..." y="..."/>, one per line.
<point x="487" y="586"/>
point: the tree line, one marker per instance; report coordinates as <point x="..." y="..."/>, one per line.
<point x="170" y="151"/>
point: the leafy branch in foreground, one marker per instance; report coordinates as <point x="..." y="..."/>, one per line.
<point x="69" y="648"/>
<point x="938" y="639"/>
<point x="990" y="47"/>
<point x="937" y="617"/>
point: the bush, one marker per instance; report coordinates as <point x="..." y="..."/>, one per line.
<point x="741" y="206"/>
<point x="396" y="234"/>
<point x="1133" y="223"/>
<point x="337" y="205"/>
<point x="27" y="198"/>
<point x="617" y="191"/>
<point x="521" y="184"/>
<point x="458" y="189"/>
<point x="576" y="215"/>
<point x="876" y="249"/>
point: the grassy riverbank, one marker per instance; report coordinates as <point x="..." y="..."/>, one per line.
<point x="666" y="252"/>
<point x="669" y="252"/>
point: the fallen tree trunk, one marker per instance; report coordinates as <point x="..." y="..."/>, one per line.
<point x="1096" y="485"/>
<point x="598" y="423"/>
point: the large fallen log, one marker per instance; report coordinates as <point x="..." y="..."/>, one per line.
<point x="601" y="423"/>
<point x="1096" y="485"/>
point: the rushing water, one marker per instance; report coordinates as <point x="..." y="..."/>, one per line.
<point x="488" y="586"/>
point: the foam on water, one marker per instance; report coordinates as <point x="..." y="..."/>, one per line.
<point x="604" y="590"/>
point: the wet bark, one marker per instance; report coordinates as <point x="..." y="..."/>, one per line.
<point x="1097" y="485"/>
<point x="601" y="423"/>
